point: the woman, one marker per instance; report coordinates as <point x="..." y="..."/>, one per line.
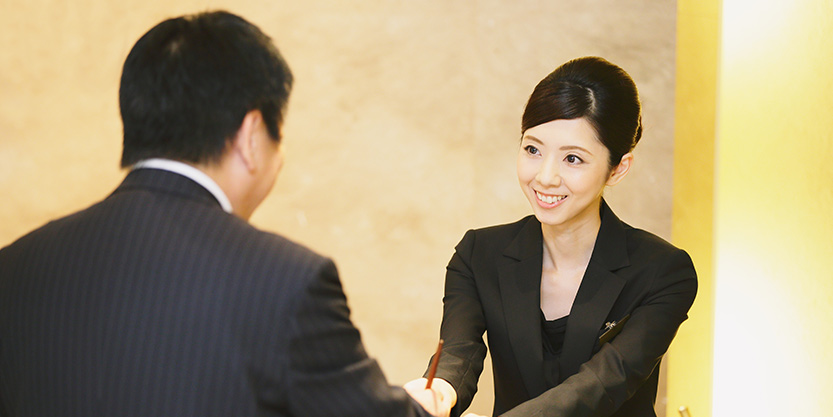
<point x="578" y="307"/>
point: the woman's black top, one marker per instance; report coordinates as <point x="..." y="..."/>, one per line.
<point x="553" y="338"/>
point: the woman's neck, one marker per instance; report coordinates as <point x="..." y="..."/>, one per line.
<point x="571" y="245"/>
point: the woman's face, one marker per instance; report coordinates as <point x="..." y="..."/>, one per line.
<point x="563" y="169"/>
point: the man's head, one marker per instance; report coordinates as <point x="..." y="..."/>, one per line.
<point x="190" y="81"/>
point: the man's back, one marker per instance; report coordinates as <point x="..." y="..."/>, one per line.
<point x="157" y="302"/>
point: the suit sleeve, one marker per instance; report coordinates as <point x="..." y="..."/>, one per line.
<point x="620" y="367"/>
<point x="329" y="370"/>
<point x="462" y="328"/>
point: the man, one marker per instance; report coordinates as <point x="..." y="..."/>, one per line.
<point x="162" y="300"/>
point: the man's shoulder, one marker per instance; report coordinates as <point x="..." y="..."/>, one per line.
<point x="43" y="231"/>
<point x="173" y="231"/>
<point x="282" y="247"/>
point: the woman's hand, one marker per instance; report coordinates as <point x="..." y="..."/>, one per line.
<point x="437" y="400"/>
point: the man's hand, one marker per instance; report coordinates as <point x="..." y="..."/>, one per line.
<point x="438" y="400"/>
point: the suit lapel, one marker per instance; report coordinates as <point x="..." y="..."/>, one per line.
<point x="597" y="293"/>
<point x="519" y="276"/>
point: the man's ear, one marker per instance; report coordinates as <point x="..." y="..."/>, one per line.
<point x="244" y="144"/>
<point x="619" y="172"/>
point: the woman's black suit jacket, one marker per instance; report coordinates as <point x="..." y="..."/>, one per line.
<point x="493" y="285"/>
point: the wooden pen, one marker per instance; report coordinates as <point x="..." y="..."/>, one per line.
<point x="434" y="362"/>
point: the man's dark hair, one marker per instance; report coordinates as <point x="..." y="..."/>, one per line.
<point x="188" y="83"/>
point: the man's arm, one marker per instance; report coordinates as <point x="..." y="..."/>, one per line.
<point x="329" y="370"/>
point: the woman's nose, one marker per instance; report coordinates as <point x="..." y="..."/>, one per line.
<point x="549" y="174"/>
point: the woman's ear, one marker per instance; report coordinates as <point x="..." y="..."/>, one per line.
<point x="619" y="171"/>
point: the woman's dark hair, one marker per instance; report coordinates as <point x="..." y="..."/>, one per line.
<point x="597" y="90"/>
<point x="188" y="83"/>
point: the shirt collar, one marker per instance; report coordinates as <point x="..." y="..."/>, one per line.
<point x="190" y="172"/>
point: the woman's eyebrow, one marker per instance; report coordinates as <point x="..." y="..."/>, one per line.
<point x="533" y="139"/>
<point x="563" y="148"/>
<point x="574" y="148"/>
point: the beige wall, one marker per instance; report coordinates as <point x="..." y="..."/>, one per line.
<point x="401" y="134"/>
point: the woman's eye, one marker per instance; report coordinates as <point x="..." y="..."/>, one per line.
<point x="573" y="159"/>
<point x="531" y="150"/>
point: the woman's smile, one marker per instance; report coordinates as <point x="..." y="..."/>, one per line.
<point x="548" y="200"/>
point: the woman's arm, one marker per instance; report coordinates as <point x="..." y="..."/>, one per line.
<point x="462" y="328"/>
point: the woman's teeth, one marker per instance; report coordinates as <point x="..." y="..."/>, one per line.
<point x="549" y="199"/>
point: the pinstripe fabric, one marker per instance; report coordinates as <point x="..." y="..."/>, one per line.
<point x="155" y="302"/>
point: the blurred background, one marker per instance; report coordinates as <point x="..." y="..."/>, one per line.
<point x="402" y="133"/>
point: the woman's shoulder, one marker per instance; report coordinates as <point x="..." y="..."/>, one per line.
<point x="498" y="237"/>
<point x="505" y="228"/>
<point x="503" y="232"/>
<point x="645" y="248"/>
<point x="616" y="235"/>
<point x="642" y="240"/>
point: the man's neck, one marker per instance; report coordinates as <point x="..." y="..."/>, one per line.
<point x="195" y="173"/>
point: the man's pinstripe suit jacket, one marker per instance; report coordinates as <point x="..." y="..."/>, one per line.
<point x="156" y="302"/>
